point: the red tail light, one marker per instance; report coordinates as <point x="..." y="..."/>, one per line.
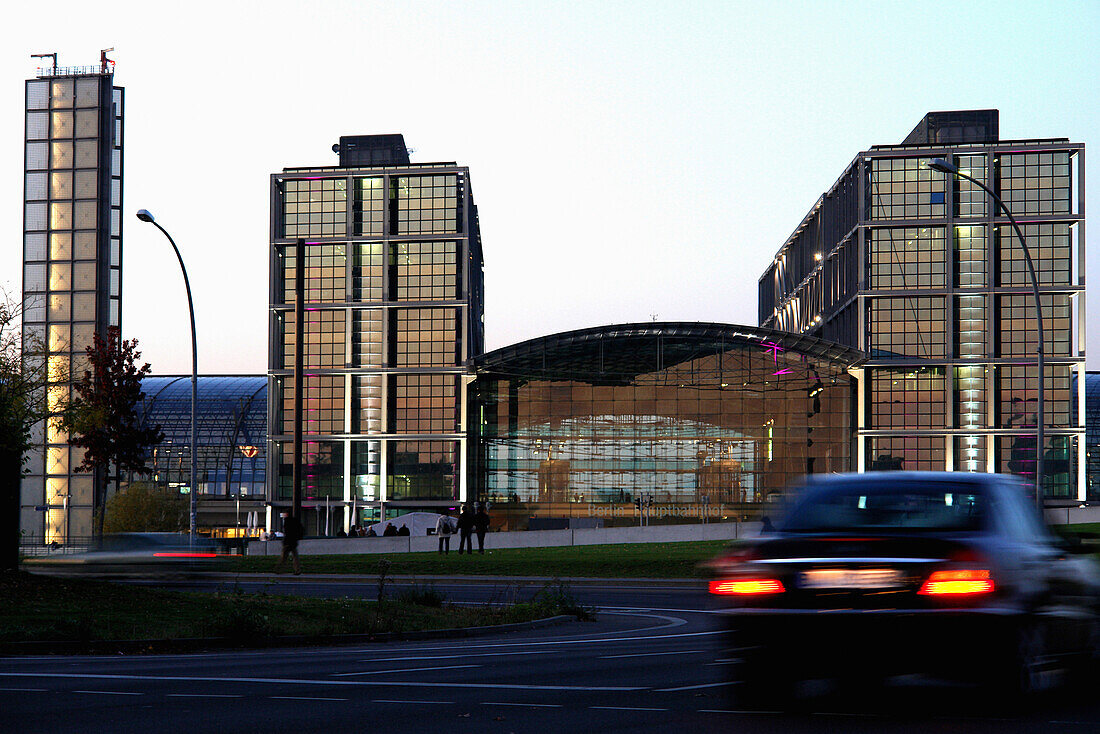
<point x="185" y="555"/>
<point x="958" y="582"/>
<point x="746" y="587"/>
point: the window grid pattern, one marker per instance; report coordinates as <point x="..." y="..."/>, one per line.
<point x="368" y="271"/>
<point x="906" y="258"/>
<point x="316" y="208"/>
<point x="916" y="453"/>
<point x="425" y="403"/>
<point x="427" y="337"/>
<point x="322" y="470"/>
<point x="1016" y="455"/>
<point x="322" y="405"/>
<point x="1018" y="395"/>
<point x="426" y="271"/>
<point x="970" y="257"/>
<point x="970" y="199"/>
<point x="1051" y="250"/>
<point x="907" y="398"/>
<point x="1034" y="183"/>
<point x="324" y="339"/>
<point x="907" y="326"/>
<point x="970" y="323"/>
<point x="905" y="188"/>
<point x="325" y="273"/>
<point x="369" y="206"/>
<point x="970" y="454"/>
<point x="366" y="470"/>
<point x="970" y="396"/>
<point x="423" y="470"/>
<point x="425" y="204"/>
<point x="367" y="337"/>
<point x="369" y="403"/>
<point x="1018" y="329"/>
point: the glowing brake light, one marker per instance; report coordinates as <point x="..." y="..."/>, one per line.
<point x="185" y="555"/>
<point x="746" y="587"/>
<point x="957" y="582"/>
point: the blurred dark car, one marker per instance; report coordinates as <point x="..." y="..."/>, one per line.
<point x="135" y="555"/>
<point x="886" y="573"/>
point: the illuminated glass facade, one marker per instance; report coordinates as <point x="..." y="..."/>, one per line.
<point x="920" y="270"/>
<point x="393" y="283"/>
<point x="72" y="269"/>
<point x="701" y="421"/>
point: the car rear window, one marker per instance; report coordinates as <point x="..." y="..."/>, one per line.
<point x="901" y="506"/>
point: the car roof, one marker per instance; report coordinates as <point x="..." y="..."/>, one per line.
<point x="879" y="478"/>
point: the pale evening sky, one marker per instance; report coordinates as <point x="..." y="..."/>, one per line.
<point x="629" y="159"/>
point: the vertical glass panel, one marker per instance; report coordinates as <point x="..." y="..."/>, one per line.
<point x="38" y="124"/>
<point x="84" y="246"/>
<point x="904" y="188"/>
<point x="970" y="325"/>
<point x="61" y="155"/>
<point x="61" y="246"/>
<point x="87" y="153"/>
<point x="37" y="154"/>
<point x="908" y="453"/>
<point x="38" y="95"/>
<point x="57" y="460"/>
<point x="59" y="337"/>
<point x="970" y="200"/>
<point x="87" y="92"/>
<point x="61" y="184"/>
<point x="60" y="276"/>
<point x="54" y="433"/>
<point x="1034" y="183"/>
<point x="59" y="307"/>
<point x="84" y="306"/>
<point x="85" y="215"/>
<point x="85" y="187"/>
<point x="83" y="334"/>
<point x="61" y="124"/>
<point x="970" y="400"/>
<point x="115" y="282"/>
<point x="62" y="92"/>
<point x="87" y="123"/>
<point x="34" y="216"/>
<point x="908" y="258"/>
<point x="34" y="277"/>
<point x="970" y="257"/>
<point x="84" y="275"/>
<point x="970" y="453"/>
<point x="114" y="312"/>
<point x="116" y="192"/>
<point x="61" y="215"/>
<point x="34" y="246"/>
<point x="1051" y="249"/>
<point x="35" y="186"/>
<point x="907" y="398"/>
<point x="34" y="309"/>
<point x="116" y="252"/>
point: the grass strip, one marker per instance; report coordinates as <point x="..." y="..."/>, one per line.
<point x="42" y="608"/>
<point x="632" y="560"/>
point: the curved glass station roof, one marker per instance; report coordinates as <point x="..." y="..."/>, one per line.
<point x="231" y="432"/>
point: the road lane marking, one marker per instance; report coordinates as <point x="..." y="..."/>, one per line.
<point x="27" y="690"/>
<point x="311" y="682"/>
<point x="404" y="670"/>
<point x="625" y="708"/>
<point x="305" y="698"/>
<point x="398" y="700"/>
<point x="692" y="688"/>
<point x="452" y="656"/>
<point x="111" y="693"/>
<point x="731" y="711"/>
<point x="203" y="695"/>
<point x="529" y="705"/>
<point x="651" y="654"/>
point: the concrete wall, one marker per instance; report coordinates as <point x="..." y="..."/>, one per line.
<point x="516" y="539"/>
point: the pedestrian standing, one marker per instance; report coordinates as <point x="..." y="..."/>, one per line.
<point x="465" y="530"/>
<point x="292" y="533"/>
<point x="444" y="528"/>
<point x="481" y="525"/>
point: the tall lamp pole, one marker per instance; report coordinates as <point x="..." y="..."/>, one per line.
<point x="145" y="216"/>
<point x="944" y="166"/>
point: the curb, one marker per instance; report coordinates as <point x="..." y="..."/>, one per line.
<point x="440" y="579"/>
<point x="202" y="644"/>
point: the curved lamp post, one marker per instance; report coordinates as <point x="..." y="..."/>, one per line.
<point x="145" y="216"/>
<point x="944" y="166"/>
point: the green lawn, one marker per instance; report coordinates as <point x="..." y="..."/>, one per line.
<point x="635" y="560"/>
<point x="84" y="611"/>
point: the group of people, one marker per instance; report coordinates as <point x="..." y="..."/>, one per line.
<point x="468" y="523"/>
<point x="390" y="531"/>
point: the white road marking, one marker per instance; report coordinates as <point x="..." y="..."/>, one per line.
<point x="305" y="698"/>
<point x="404" y="670"/>
<point x="452" y="656"/>
<point x="310" y="682"/>
<point x="397" y="700"/>
<point x="731" y="711"/>
<point x="28" y="690"/>
<point x="625" y="708"/>
<point x="112" y="693"/>
<point x="528" y="705"/>
<point x="650" y="654"/>
<point x="692" y="688"/>
<point x="203" y="695"/>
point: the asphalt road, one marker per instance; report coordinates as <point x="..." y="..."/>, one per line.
<point x="656" y="665"/>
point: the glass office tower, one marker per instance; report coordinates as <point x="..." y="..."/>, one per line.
<point x="72" y="269"/>
<point x="393" y="310"/>
<point x="921" y="271"/>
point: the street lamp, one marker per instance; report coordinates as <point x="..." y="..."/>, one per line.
<point x="944" y="166"/>
<point x="145" y="216"/>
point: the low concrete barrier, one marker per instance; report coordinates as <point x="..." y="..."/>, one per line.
<point x="516" y="539"/>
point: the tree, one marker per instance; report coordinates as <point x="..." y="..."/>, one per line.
<point x="144" y="508"/>
<point x="22" y="405"/>
<point x="102" y="417"/>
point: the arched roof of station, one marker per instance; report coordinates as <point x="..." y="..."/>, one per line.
<point x="626" y="350"/>
<point x="227" y="405"/>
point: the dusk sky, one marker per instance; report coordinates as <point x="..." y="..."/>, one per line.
<point x="630" y="160"/>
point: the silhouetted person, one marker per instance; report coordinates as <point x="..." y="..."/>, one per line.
<point x="766" y="527"/>
<point x="390" y="531"/>
<point x="404" y="530"/>
<point x="371" y="533"/>
<point x="466" y="529"/>
<point x="292" y="533"/>
<point x="481" y="526"/>
<point x="444" y="528"/>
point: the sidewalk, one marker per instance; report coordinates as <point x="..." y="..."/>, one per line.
<point x="458" y="580"/>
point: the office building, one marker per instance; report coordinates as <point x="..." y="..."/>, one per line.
<point x="393" y="311"/>
<point x="72" y="267"/>
<point x="922" y="272"/>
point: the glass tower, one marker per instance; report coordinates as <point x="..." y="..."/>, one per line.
<point x="922" y="272"/>
<point x="72" y="268"/>
<point x="393" y="311"/>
